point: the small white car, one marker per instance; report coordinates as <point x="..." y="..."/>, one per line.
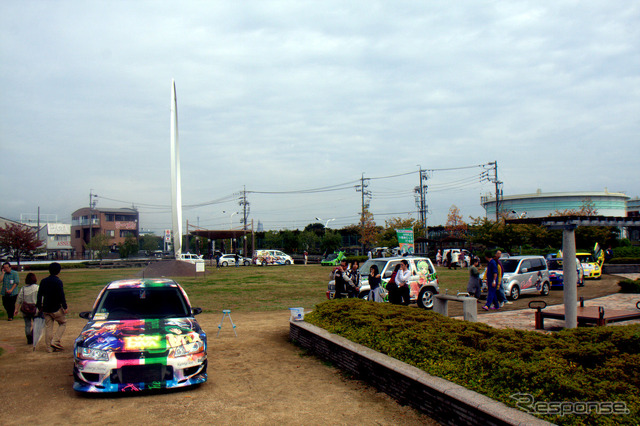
<point x="522" y="275"/>
<point x="272" y="257"/>
<point x="191" y="258"/>
<point x="230" y="260"/>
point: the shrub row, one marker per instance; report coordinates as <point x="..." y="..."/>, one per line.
<point x="582" y="365"/>
<point x="629" y="286"/>
<point x="624" y="260"/>
<point x="45" y="266"/>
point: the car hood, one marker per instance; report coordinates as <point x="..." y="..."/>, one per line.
<point x="151" y="334"/>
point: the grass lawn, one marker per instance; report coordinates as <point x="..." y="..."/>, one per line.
<point x="243" y="289"/>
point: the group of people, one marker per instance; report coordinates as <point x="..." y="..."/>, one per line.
<point x="495" y="292"/>
<point x="46" y="300"/>
<point x="347" y="279"/>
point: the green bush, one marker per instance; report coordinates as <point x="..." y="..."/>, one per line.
<point x="629" y="286"/>
<point x="626" y="251"/>
<point x="624" y="260"/>
<point x="45" y="266"/>
<point x="585" y="364"/>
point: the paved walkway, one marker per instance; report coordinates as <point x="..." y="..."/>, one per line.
<point x="524" y="318"/>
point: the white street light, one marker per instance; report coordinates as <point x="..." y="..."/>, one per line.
<point x="327" y="223"/>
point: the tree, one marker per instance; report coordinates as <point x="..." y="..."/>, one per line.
<point x="455" y="224"/>
<point x="588" y="207"/>
<point x="150" y="243"/>
<point x="368" y="230"/>
<point x="100" y="244"/>
<point x="331" y="241"/>
<point x="18" y="240"/>
<point x="129" y="247"/>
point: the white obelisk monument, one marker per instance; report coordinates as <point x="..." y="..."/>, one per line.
<point x="176" y="190"/>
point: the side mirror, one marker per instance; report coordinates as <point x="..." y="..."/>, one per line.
<point x="85" y="314"/>
<point x="196" y="311"/>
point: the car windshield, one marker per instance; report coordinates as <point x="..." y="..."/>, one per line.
<point x="585" y="258"/>
<point x="555" y="265"/>
<point x="366" y="266"/>
<point x="509" y="265"/>
<point x="142" y="303"/>
<point x="331" y="256"/>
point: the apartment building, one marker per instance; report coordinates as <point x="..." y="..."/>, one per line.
<point x="116" y="224"/>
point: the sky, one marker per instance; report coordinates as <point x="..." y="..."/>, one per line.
<point x="295" y="102"/>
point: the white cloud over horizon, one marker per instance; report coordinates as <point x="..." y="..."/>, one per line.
<point x="280" y="96"/>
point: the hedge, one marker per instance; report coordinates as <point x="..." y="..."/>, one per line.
<point x="629" y="286"/>
<point x="581" y="365"/>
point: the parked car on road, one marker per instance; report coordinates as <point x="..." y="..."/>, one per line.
<point x="333" y="259"/>
<point x="522" y="275"/>
<point x="230" y="260"/>
<point x="556" y="274"/>
<point x="271" y="257"/>
<point x="592" y="263"/>
<point x="191" y="258"/>
<point x="423" y="282"/>
<point x="141" y="334"/>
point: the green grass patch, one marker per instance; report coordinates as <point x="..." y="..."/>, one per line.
<point x="580" y="365"/>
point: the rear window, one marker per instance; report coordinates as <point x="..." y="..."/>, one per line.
<point x="143" y="303"/>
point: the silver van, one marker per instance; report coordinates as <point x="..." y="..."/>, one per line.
<point x="524" y="274"/>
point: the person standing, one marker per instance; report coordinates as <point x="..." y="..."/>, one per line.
<point x="342" y="281"/>
<point x="473" y="286"/>
<point x="10" y="281"/>
<point x="502" y="299"/>
<point x="236" y="259"/>
<point x="354" y="275"/>
<point x="52" y="303"/>
<point x="492" y="272"/>
<point x="306" y="257"/>
<point x="374" y="284"/>
<point x="217" y="256"/>
<point x="439" y="258"/>
<point x="392" y="287"/>
<point x="26" y="303"/>
<point x="402" y="279"/>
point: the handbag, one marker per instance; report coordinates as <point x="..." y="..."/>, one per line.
<point x="28" y="308"/>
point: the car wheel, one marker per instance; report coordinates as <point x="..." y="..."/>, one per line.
<point x="224" y="263"/>
<point x="545" y="289"/>
<point x="247" y="263"/>
<point x="287" y="262"/>
<point x="364" y="295"/>
<point x="514" y="294"/>
<point x="425" y="298"/>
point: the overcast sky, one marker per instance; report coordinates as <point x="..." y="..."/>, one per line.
<point x="281" y="97"/>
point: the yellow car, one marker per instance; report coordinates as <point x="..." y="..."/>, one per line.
<point x="592" y="263"/>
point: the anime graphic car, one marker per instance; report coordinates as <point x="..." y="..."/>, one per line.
<point x="556" y="274"/>
<point x="522" y="275"/>
<point x="592" y="263"/>
<point x="423" y="282"/>
<point x="333" y="259"/>
<point x="141" y="335"/>
<point x="272" y="257"/>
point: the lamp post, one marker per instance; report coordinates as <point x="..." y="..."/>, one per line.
<point x="327" y="222"/>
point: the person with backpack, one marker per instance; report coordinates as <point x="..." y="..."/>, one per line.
<point x="26" y="303"/>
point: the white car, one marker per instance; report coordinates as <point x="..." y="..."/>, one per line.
<point x="191" y="258"/>
<point x="272" y="257"/>
<point x="230" y="260"/>
<point x="423" y="283"/>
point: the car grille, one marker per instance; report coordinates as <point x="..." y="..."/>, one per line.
<point x="140" y="355"/>
<point x="142" y="373"/>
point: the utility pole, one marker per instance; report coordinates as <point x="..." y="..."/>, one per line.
<point x="246" y="209"/>
<point x="91" y="206"/>
<point x="362" y="188"/>
<point x="421" y="203"/>
<point x="498" y="185"/>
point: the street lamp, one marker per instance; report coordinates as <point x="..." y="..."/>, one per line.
<point x="327" y="223"/>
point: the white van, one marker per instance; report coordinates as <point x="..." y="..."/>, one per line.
<point x="271" y="257"/>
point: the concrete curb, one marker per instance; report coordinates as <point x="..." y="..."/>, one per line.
<point x="438" y="398"/>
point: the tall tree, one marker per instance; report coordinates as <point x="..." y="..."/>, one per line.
<point x="18" y="240"/>
<point x="368" y="230"/>
<point x="455" y="224"/>
<point x="99" y="244"/>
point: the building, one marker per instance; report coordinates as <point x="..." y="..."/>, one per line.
<point x="633" y="210"/>
<point x="57" y="240"/>
<point x="545" y="204"/>
<point x="115" y="224"/>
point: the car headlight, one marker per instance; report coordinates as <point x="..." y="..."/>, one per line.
<point x="189" y="348"/>
<point x="92" y="354"/>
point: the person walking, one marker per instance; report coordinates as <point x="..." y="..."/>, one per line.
<point x="10" y="281"/>
<point x="236" y="259"/>
<point x="502" y="298"/>
<point x="473" y="286"/>
<point x="52" y="303"/>
<point x="492" y="284"/>
<point x="375" y="281"/>
<point x="26" y="303"/>
<point x="439" y="258"/>
<point x="402" y="279"/>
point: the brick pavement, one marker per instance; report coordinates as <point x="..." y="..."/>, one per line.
<point x="524" y="318"/>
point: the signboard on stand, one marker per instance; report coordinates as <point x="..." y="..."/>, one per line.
<point x="405" y="240"/>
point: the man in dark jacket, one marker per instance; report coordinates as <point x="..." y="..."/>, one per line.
<point x="52" y="303"/>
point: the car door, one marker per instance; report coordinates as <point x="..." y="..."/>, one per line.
<point x="526" y="276"/>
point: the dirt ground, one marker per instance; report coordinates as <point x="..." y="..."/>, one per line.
<point x="257" y="378"/>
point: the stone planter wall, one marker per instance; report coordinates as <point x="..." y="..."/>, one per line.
<point x="440" y="399"/>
